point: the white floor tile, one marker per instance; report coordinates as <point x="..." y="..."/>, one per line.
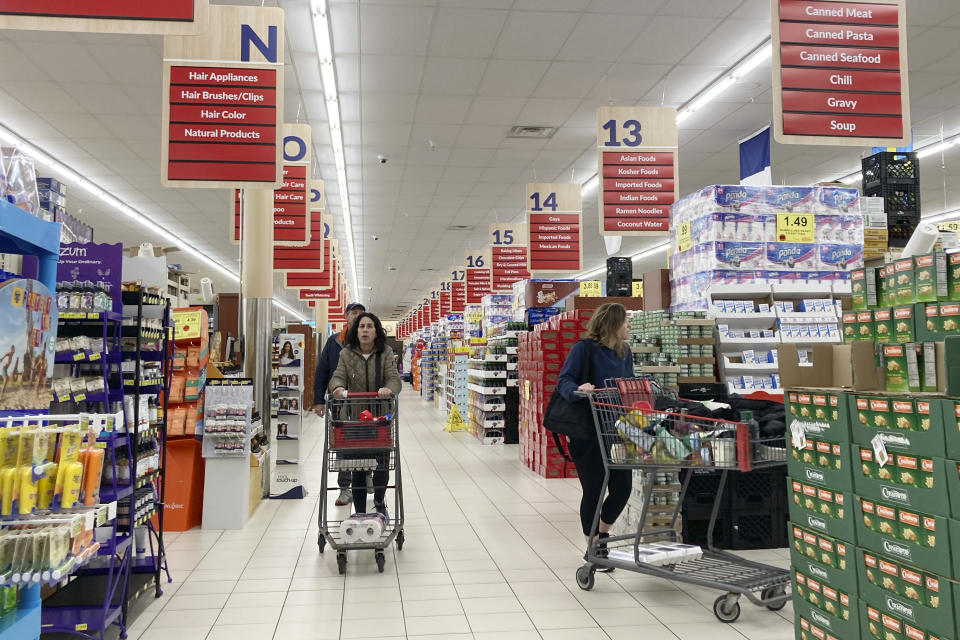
<point x="491" y="554"/>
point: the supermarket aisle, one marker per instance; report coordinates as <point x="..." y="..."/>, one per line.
<point x="491" y="552"/>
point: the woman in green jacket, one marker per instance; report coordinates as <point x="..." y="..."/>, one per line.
<point x="366" y="365"/>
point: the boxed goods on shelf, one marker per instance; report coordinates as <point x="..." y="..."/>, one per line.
<point x="826" y="604"/>
<point x="823" y="557"/>
<point x="822" y="509"/>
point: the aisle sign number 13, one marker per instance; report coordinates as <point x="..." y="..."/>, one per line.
<point x="628" y="129"/>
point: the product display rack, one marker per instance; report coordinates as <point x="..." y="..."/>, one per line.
<point x="502" y="340"/>
<point x="487" y="376"/>
<point x="150" y="483"/>
<point x="673" y="348"/>
<point x="24" y="234"/>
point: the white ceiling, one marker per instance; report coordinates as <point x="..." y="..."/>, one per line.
<point x="435" y="85"/>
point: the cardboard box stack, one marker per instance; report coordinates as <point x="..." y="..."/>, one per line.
<point x="874" y="496"/>
<point x="541" y="356"/>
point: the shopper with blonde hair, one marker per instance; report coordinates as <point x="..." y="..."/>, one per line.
<point x="602" y="355"/>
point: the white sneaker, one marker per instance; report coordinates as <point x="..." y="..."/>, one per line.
<point x="370" y="483"/>
<point x="345" y="498"/>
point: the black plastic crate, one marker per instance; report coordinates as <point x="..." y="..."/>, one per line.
<point x="764" y="489"/>
<point x="900" y="228"/>
<point x="702" y="490"/>
<point x="898" y="200"/>
<point x="757" y="529"/>
<point x="695" y="532"/>
<point x="890" y="168"/>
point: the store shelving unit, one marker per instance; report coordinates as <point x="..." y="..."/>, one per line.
<point x="487" y="384"/>
<point x="502" y="341"/>
<point x="149" y="434"/>
<point x="24" y="234"/>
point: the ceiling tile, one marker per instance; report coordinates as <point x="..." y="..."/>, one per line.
<point x="466" y="33"/>
<point x="344" y="25"/>
<point x="570" y="79"/>
<point x="386" y="30"/>
<point x="598" y="37"/>
<point x="391" y="74"/>
<point x="502" y="111"/>
<point x="512" y="77"/>
<point x="456" y="76"/>
<point x="667" y="39"/>
<point x="550" y="112"/>
<point x="442" y="109"/>
<point x="530" y="35"/>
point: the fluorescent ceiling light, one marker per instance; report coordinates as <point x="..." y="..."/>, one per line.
<point x="942" y="217"/>
<point x="328" y="76"/>
<point x="734" y="74"/>
<point x="84" y="183"/>
<point x="937" y="147"/>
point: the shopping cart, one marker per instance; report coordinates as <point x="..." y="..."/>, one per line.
<point x="637" y="436"/>
<point x="353" y="443"/>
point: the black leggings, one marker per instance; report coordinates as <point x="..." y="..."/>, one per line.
<point x="380" y="480"/>
<point x="586" y="456"/>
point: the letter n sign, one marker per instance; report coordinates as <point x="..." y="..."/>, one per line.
<point x="268" y="49"/>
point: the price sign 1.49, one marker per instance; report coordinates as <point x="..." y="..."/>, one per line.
<point x="796" y="227"/>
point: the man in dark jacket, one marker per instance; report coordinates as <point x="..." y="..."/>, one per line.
<point x="326" y="365"/>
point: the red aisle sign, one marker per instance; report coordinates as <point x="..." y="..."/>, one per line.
<point x="637" y="165"/>
<point x="458" y="288"/>
<point x="553" y="217"/>
<point x="477" y="276"/>
<point x="435" y="308"/>
<point x="508" y="255"/>
<point x="111" y="9"/>
<point x="840" y="73"/>
<point x="445" y="299"/>
<point x="223" y="100"/>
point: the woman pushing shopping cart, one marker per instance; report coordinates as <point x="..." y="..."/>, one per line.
<point x="361" y="437"/>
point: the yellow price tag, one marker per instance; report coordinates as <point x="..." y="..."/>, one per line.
<point x="684" y="239"/>
<point x="79" y="356"/>
<point x="94" y="357"/>
<point x="796" y="227"/>
<point x="591" y="289"/>
<point x="950" y="225"/>
<point x="80" y="627"/>
<point x="526" y="389"/>
<point x="637" y="289"/>
<point x="79" y="397"/>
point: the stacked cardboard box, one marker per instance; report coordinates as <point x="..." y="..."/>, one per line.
<point x="541" y="356"/>
<point x="874" y="499"/>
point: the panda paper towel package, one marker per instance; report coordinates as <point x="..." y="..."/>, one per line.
<point x="734" y="228"/>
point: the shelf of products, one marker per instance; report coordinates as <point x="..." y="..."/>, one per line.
<point x="286" y="477"/>
<point x="673" y="349"/>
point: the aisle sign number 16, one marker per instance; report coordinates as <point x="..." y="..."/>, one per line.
<point x="475" y="261"/>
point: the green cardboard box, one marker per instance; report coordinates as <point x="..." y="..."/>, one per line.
<point x="907" y="480"/>
<point x="875" y="624"/>
<point x="930" y="276"/>
<point x="825" y="415"/>
<point x="865" y="329"/>
<point x="883" y="324"/>
<point x="950" y="410"/>
<point x="920" y="540"/>
<point x="843" y="623"/>
<point x="821" y="462"/>
<point x="904" y="325"/>
<point x="891" y="279"/>
<point x="896" y="367"/>
<point x="953" y="276"/>
<point x="851" y="331"/>
<point x="864" y="289"/>
<point x="822" y="509"/>
<point x="899" y="589"/>
<point x="906" y="289"/>
<point x="906" y="425"/>
<point x="823" y="557"/>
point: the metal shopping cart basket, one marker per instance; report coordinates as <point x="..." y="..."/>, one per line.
<point x="353" y="443"/>
<point x="637" y="436"/>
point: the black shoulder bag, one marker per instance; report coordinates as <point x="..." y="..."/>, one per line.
<point x="571" y="419"/>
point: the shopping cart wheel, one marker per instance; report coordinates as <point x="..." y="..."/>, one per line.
<point x="726" y="608"/>
<point x="586" y="577"/>
<point x="774" y="592"/>
<point x="342" y="563"/>
<point x="400" y="540"/>
<point x="381" y="561"/>
<point x="321" y="542"/>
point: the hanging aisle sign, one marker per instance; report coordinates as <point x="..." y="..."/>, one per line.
<point x="291" y="215"/>
<point x="318" y="278"/>
<point x="434" y="306"/>
<point x="508" y="255"/>
<point x="444" y="298"/>
<point x="477" y="276"/>
<point x="637" y="169"/>
<point x="169" y="17"/>
<point x="223" y="101"/>
<point x="840" y="73"/>
<point x="554" y="212"/>
<point x="458" y="288"/>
